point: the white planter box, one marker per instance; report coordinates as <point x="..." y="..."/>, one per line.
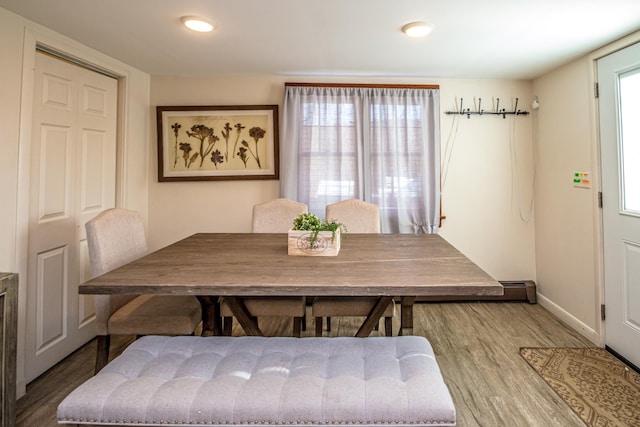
<point x="299" y="243"/>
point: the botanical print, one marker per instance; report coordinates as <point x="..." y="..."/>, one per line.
<point x="217" y="142"/>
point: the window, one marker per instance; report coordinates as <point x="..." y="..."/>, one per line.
<point x="630" y="141"/>
<point x="377" y="144"/>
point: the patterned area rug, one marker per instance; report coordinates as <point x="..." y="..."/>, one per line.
<point x="599" y="388"/>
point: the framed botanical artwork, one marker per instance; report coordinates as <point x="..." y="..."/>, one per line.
<point x="200" y="143"/>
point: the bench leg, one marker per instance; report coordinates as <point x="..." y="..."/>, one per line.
<point x="318" y="326"/>
<point x="102" y="355"/>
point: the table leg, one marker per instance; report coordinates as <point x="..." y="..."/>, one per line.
<point x="406" y="315"/>
<point x="210" y="315"/>
<point x="246" y="320"/>
<point x="373" y="318"/>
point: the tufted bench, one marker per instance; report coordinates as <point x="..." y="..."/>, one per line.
<point x="258" y="381"/>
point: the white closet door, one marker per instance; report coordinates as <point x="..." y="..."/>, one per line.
<point x="73" y="172"/>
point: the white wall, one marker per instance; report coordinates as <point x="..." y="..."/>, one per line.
<point x="179" y="209"/>
<point x="11" y="32"/>
<point x="565" y="215"/>
<point x="18" y="38"/>
<point x="488" y="183"/>
<point x="568" y="220"/>
<point x="483" y="218"/>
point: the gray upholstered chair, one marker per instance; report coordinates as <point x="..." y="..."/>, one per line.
<point x="116" y="237"/>
<point x="274" y="216"/>
<point x="358" y="217"/>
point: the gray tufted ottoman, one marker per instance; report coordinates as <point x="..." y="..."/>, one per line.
<point x="257" y="381"/>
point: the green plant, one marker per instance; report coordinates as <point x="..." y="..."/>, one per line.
<point x="310" y="222"/>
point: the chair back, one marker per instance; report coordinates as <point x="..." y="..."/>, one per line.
<point x="114" y="237"/>
<point x="356" y="215"/>
<point x="276" y="216"/>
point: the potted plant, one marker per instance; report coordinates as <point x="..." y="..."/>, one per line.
<point x="314" y="237"/>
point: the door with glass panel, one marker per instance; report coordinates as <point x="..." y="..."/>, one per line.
<point x="619" y="105"/>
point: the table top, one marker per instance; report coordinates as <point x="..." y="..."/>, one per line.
<point x="253" y="264"/>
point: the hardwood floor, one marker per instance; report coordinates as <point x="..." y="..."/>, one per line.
<point x="476" y="345"/>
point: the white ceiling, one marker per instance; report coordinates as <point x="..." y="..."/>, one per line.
<point x="519" y="39"/>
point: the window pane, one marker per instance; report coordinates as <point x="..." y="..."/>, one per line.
<point x="397" y="154"/>
<point x="630" y="139"/>
<point x="327" y="154"/>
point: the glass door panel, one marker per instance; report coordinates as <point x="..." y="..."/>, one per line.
<point x="630" y="141"/>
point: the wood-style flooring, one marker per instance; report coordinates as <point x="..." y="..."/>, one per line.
<point x="476" y="345"/>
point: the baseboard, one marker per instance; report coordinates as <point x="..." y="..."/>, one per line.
<point x="571" y="320"/>
<point x="524" y="290"/>
<point x="21" y="389"/>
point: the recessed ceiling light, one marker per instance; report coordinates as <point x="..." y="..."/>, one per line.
<point x="196" y="23"/>
<point x="417" y="29"/>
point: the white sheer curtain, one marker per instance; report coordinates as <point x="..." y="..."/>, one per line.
<point x="380" y="145"/>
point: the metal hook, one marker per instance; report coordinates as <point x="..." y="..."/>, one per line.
<point x="463" y="111"/>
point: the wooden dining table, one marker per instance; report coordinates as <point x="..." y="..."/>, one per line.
<point x="239" y="265"/>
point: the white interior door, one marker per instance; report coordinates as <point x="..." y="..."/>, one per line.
<point x="73" y="169"/>
<point x="619" y="102"/>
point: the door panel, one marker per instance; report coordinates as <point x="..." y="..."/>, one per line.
<point x="53" y="272"/>
<point x="93" y="146"/>
<point x="73" y="165"/>
<point x="630" y="288"/>
<point x="619" y="83"/>
<point x="54" y="175"/>
<point x="56" y="92"/>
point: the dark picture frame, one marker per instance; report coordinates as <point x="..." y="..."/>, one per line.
<point x="207" y="143"/>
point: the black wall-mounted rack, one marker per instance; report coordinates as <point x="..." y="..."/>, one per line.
<point x="480" y="112"/>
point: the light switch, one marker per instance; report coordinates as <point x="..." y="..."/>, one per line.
<point x="582" y="179"/>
